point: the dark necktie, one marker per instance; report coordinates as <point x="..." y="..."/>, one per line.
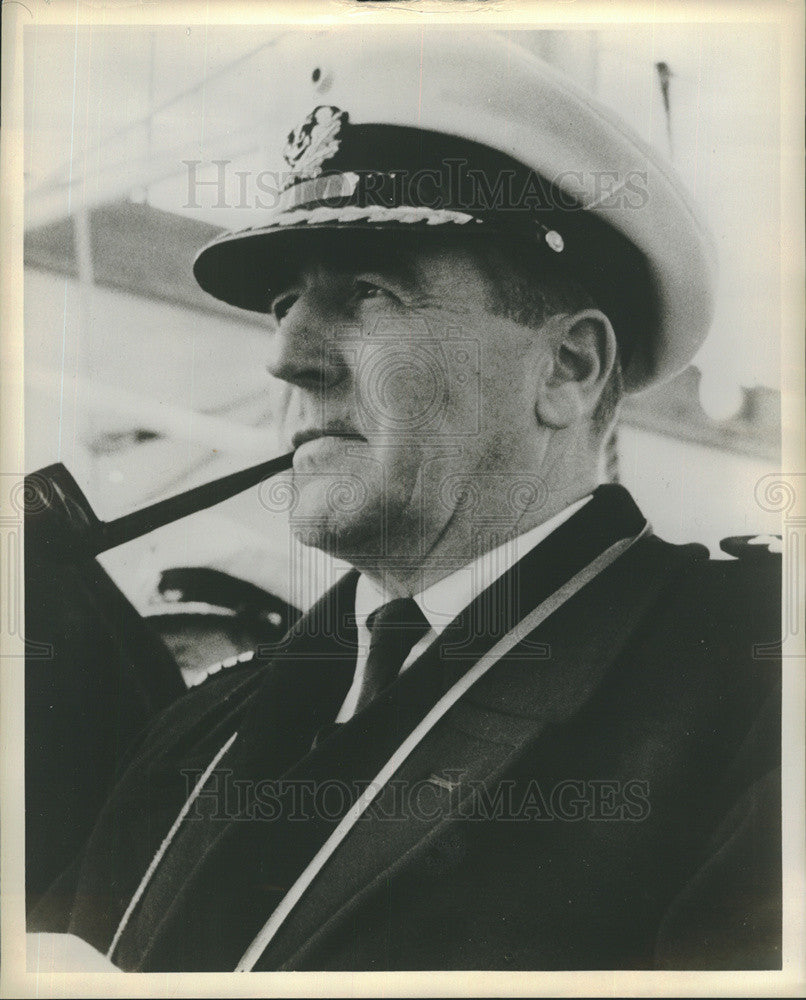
<point x="394" y="629"/>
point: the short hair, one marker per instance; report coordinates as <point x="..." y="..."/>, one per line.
<point x="531" y="294"/>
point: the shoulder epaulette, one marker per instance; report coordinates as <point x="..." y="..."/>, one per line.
<point x="752" y="546"/>
<point x="215" y="668"/>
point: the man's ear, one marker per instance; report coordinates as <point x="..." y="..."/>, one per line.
<point x="583" y="353"/>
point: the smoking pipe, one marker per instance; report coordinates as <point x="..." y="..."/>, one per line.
<point x="60" y="524"/>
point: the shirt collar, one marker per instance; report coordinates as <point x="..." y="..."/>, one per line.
<point x="445" y="599"/>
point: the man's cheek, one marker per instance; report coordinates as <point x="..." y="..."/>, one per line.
<point x="402" y="388"/>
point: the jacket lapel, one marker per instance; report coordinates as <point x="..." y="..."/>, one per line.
<point x="304" y="686"/>
<point x="301" y="689"/>
<point x="544" y="681"/>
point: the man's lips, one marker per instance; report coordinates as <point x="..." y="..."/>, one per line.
<point x="312" y="434"/>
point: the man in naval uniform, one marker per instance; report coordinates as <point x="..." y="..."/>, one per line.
<point x="523" y="732"/>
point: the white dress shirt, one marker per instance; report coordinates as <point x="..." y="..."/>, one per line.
<point x="445" y="599"/>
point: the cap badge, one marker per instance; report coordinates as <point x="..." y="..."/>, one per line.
<point x="314" y="141"/>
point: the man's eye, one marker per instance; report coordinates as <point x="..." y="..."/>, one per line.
<point x="281" y="305"/>
<point x="367" y="290"/>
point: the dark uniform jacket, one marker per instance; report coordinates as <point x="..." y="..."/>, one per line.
<point x="606" y="796"/>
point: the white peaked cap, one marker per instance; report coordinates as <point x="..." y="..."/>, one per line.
<point x="486" y="89"/>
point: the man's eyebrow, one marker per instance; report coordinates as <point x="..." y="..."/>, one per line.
<point x="401" y="266"/>
<point x="404" y="270"/>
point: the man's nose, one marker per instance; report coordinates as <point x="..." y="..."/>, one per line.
<point x="303" y="348"/>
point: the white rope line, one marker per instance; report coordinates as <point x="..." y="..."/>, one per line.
<point x="371" y="213"/>
<point x="501" y="648"/>
<point x="141" y="888"/>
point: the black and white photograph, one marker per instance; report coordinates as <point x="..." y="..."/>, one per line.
<point x="403" y="514"/>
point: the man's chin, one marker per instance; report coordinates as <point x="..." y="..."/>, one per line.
<point x="355" y="543"/>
